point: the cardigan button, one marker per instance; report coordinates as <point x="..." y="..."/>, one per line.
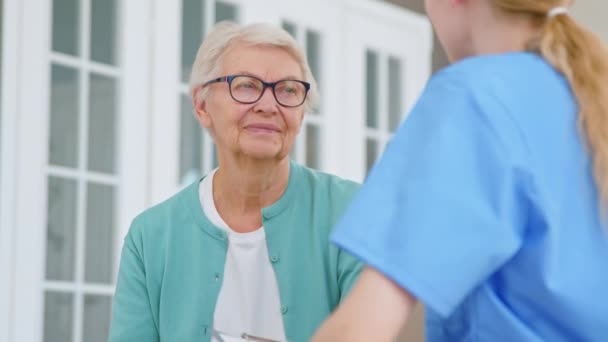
<point x="284" y="309"/>
<point x="274" y="259"/>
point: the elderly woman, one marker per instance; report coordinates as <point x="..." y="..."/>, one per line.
<point x="245" y="251"/>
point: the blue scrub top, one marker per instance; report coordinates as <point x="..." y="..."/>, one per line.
<point x="484" y="207"/>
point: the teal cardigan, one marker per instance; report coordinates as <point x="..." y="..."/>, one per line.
<point x="173" y="260"/>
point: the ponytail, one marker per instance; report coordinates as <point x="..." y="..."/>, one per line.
<point x="582" y="57"/>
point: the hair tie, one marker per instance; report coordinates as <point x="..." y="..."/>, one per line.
<point x="557" y="11"/>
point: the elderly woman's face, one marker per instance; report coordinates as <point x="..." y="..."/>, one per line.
<point x="261" y="130"/>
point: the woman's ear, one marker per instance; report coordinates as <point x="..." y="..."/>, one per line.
<point x="200" y="108"/>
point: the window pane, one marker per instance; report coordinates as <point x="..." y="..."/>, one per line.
<point x="61" y="229"/>
<point x="313" y="53"/>
<point x="214" y="162"/>
<point x="97" y="313"/>
<point x="371" y="89"/>
<point x="395" y="93"/>
<point x="225" y="11"/>
<point x="58" y="317"/>
<point x="104" y="23"/>
<point x="290" y="27"/>
<point x="312" y="146"/>
<point x="99" y="234"/>
<point x="371" y="153"/>
<point x="193" y="23"/>
<point x="191" y="144"/>
<point x="102" y="123"/>
<point x="65" y="26"/>
<point x="63" y="147"/>
<point x="293" y="154"/>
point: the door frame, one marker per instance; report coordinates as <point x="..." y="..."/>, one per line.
<point x="10" y="64"/>
<point x="31" y="129"/>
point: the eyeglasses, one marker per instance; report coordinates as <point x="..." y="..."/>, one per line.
<point x="249" y="89"/>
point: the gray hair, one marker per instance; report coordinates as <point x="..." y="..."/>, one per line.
<point x="208" y="62"/>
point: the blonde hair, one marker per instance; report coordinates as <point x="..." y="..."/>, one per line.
<point x="583" y="59"/>
<point x="224" y="35"/>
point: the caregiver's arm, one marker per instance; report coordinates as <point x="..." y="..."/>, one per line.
<point x="375" y="310"/>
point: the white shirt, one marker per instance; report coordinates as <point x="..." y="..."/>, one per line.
<point x="249" y="300"/>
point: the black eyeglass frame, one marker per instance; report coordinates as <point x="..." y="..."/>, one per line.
<point x="229" y="78"/>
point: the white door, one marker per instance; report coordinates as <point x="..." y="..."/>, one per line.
<point x="388" y="63"/>
<point x="79" y="172"/>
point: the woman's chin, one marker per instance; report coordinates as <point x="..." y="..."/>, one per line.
<point x="272" y="152"/>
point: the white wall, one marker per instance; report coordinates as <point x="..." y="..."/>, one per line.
<point x="594" y="15"/>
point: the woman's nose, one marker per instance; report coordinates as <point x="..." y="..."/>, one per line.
<point x="267" y="103"/>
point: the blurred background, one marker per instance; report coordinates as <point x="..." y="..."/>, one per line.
<point x="96" y="125"/>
